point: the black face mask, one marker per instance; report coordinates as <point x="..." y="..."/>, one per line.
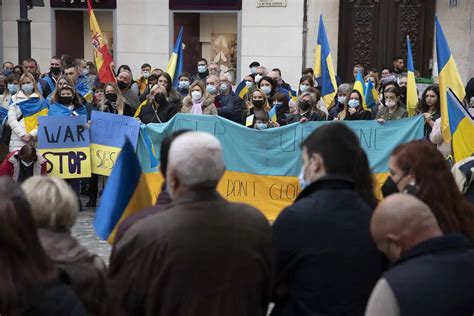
<point x="160" y="98"/>
<point x="258" y="103"/>
<point x="304" y="105"/>
<point x="65" y="100"/>
<point x="389" y="187"/>
<point x="112" y="97"/>
<point x="55" y="70"/>
<point x="2" y="89"/>
<point x="122" y="85"/>
<point x="403" y="90"/>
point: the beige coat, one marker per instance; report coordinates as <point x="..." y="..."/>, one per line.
<point x="208" y="107"/>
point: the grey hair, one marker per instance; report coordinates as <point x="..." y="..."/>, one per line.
<point x="54" y="204"/>
<point x="345" y="87"/>
<point x="196" y="160"/>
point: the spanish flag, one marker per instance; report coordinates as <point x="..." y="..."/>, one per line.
<point x="125" y="193"/>
<point x="461" y="126"/>
<point x="359" y="85"/>
<point x="175" y="64"/>
<point x="103" y="59"/>
<point x="412" y="93"/>
<point x="448" y="78"/>
<point x="323" y="67"/>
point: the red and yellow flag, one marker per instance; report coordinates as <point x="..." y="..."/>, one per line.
<point x="102" y="57"/>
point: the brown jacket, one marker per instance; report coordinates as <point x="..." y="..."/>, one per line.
<point x="201" y="256"/>
<point x="86" y="271"/>
<point x="208" y="107"/>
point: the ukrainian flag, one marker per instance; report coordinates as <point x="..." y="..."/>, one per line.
<point x="126" y="193"/>
<point x="241" y="90"/>
<point x="448" y="78"/>
<point x="32" y="108"/>
<point x="272" y="114"/>
<point x="175" y="64"/>
<point x="359" y="85"/>
<point x="412" y="93"/>
<point x="293" y="95"/>
<point x="371" y="95"/>
<point x="323" y="66"/>
<point x="461" y="127"/>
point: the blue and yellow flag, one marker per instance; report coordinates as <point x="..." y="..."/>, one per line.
<point x="32" y="108"/>
<point x="359" y="85"/>
<point x="412" y="92"/>
<point x="175" y="64"/>
<point x="371" y="95"/>
<point x="461" y="126"/>
<point x="323" y="67"/>
<point x="125" y="193"/>
<point x="293" y="95"/>
<point x="241" y="90"/>
<point x="57" y="109"/>
<point x="448" y="78"/>
<point x="272" y="114"/>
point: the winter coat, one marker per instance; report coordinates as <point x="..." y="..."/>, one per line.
<point x="231" y="107"/>
<point x="208" y="107"/>
<point x="11" y="166"/>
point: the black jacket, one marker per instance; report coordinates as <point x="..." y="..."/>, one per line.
<point x="231" y="108"/>
<point x="164" y="112"/>
<point x="362" y="115"/>
<point x="327" y="262"/>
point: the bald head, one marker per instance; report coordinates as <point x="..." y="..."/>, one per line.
<point x="195" y="162"/>
<point x="400" y="222"/>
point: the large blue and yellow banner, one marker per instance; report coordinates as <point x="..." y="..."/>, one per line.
<point x="263" y="166"/>
<point x="64" y="143"/>
<point x="108" y="135"/>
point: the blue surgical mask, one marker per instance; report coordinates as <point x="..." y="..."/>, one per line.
<point x="12" y="88"/>
<point x="261" y="126"/>
<point x="202" y="69"/>
<point x="277" y="105"/>
<point x="223" y="88"/>
<point x="211" y="89"/>
<point x="266" y="89"/>
<point x="303" y="183"/>
<point x="341" y="99"/>
<point x="85" y="72"/>
<point x="303" y="88"/>
<point x="146" y="74"/>
<point x="27" y="88"/>
<point x="7" y="72"/>
<point x="353" y="103"/>
<point x="184" y="84"/>
<point x="253" y="70"/>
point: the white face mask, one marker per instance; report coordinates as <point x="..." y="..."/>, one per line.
<point x="341" y="99"/>
<point x="304" y="88"/>
<point x="258" y="77"/>
<point x="196" y="95"/>
<point x="266" y="89"/>
<point x="146" y="74"/>
<point x="390" y="104"/>
<point x="248" y="84"/>
<point x="253" y="70"/>
<point x="27" y="164"/>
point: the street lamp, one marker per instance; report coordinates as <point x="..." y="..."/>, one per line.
<point x="24" y="28"/>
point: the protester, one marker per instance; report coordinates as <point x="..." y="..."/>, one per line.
<point x="12" y="88"/>
<point x="261" y="72"/>
<point x="184" y="82"/>
<point x="412" y="167"/>
<point x="199" y="101"/>
<point x="253" y="67"/>
<point x="281" y="105"/>
<point x="66" y="103"/>
<point x="385" y="73"/>
<point x="306" y="110"/>
<point x="463" y="172"/>
<point x="358" y="68"/>
<point x="393" y="109"/>
<point x="142" y="80"/>
<point x="172" y="96"/>
<point x="31" y="285"/>
<point x="52" y="76"/>
<point x="124" y="81"/>
<point x="425" y="263"/>
<point x="429" y="106"/>
<point x="214" y="69"/>
<point x="270" y="87"/>
<point x="353" y="109"/>
<point x="398" y="65"/>
<point x="402" y="82"/>
<point x="114" y="102"/>
<point x="203" y="72"/>
<point x="54" y="208"/>
<point x="231" y="105"/>
<point x="156" y="109"/>
<point x="259" y="104"/>
<point x="22" y="164"/>
<point x="262" y="121"/>
<point x="308" y="72"/>
<point x="7" y="68"/>
<point x="163" y="199"/>
<point x="18" y="69"/>
<point x="275" y="74"/>
<point x="436" y="137"/>
<point x="87" y="79"/>
<point x="212" y="87"/>
<point x="151" y="81"/>
<point x="327" y="262"/>
<point x="343" y="92"/>
<point x="28" y="96"/>
<point x="168" y="267"/>
<point x="157" y="72"/>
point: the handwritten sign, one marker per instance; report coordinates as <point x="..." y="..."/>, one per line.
<point x="64" y="143"/>
<point x="108" y="134"/>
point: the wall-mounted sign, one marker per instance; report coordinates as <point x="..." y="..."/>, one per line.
<point x="271" y="3"/>
<point x="82" y="4"/>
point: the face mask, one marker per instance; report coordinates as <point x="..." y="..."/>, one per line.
<point x="258" y="77"/>
<point x="261" y="126"/>
<point x="146" y="74"/>
<point x="303" y="183"/>
<point x="277" y="105"/>
<point x="65" y="100"/>
<point x="353" y="103"/>
<point x="304" y="105"/>
<point x="2" y="89"/>
<point x="85" y="72"/>
<point x="303" y="88"/>
<point x="196" y="95"/>
<point x="55" y="70"/>
<point x="341" y="99"/>
<point x="26" y="164"/>
<point x="266" y="89"/>
<point x="390" y="104"/>
<point x="403" y="90"/>
<point x="258" y="103"/>
<point x="160" y="98"/>
<point x="122" y="85"/>
<point x="7" y="72"/>
<point x="12" y="88"/>
<point x="211" y="89"/>
<point x="183" y="84"/>
<point x="248" y="84"/>
<point x="27" y="88"/>
<point x="112" y="97"/>
<point x="223" y="88"/>
<point x="253" y="70"/>
<point x="202" y="69"/>
<point x="389" y="187"/>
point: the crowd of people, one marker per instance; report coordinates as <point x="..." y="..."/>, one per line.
<point x="337" y="250"/>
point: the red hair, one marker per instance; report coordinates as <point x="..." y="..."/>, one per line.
<point x="436" y="186"/>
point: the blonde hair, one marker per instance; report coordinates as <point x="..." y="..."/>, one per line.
<point x="55" y="95"/>
<point x="266" y="105"/>
<point x="27" y="75"/>
<point x="54" y="204"/>
<point x="119" y="104"/>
